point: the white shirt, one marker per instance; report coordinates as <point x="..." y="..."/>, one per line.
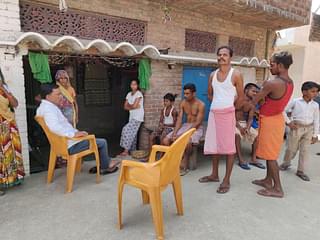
<point x="138" y="113"/>
<point x="56" y="121"/>
<point x="224" y="93"/>
<point x="304" y="112"/>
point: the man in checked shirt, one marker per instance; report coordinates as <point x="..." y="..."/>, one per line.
<point x="303" y="121"/>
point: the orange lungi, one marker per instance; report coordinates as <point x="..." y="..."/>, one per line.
<point x="270" y="138"/>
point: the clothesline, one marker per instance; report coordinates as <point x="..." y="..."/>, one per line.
<point x="55" y="54"/>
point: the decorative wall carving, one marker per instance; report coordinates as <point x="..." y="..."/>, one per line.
<point x="49" y="20"/>
<point x="200" y="41"/>
<point x="242" y="46"/>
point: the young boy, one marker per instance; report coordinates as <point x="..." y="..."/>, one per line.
<point x="168" y="119"/>
<point x="304" y="127"/>
<point x="247" y="126"/>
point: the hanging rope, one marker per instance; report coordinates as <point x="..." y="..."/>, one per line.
<point x="63" y="6"/>
<point x="166" y="13"/>
<point x="59" y="59"/>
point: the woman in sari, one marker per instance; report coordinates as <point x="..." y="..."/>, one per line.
<point x="11" y="163"/>
<point x="69" y="105"/>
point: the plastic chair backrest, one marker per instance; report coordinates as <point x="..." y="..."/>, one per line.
<point x="170" y="162"/>
<point x="58" y="144"/>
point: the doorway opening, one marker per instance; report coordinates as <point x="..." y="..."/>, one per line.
<point x="101" y="85"/>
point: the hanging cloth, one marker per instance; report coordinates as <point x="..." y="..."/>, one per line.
<point x="63" y="6"/>
<point x="144" y="73"/>
<point x="40" y="67"/>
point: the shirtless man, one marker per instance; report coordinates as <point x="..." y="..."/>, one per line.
<point x="247" y="127"/>
<point x="276" y="94"/>
<point x="194" y="110"/>
<point x="225" y="91"/>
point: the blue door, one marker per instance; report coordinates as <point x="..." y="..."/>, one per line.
<point x="198" y="76"/>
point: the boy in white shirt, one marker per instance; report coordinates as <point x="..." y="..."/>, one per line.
<point x="303" y="122"/>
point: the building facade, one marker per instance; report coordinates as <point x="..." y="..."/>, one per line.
<point x="179" y="37"/>
<point x="304" y="44"/>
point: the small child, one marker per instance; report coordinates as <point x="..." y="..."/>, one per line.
<point x="246" y="126"/>
<point x="168" y="119"/>
<point x="304" y="127"/>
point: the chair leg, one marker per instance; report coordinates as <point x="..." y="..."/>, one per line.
<point x="120" y="191"/>
<point x="156" y="205"/>
<point x="176" y="185"/>
<point x="51" y="167"/>
<point x="79" y="165"/>
<point x="96" y="155"/>
<point x="145" y="197"/>
<point x="71" y="169"/>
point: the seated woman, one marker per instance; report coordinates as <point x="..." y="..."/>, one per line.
<point x="168" y="119"/>
<point x="133" y="104"/>
<point x="11" y="163"/>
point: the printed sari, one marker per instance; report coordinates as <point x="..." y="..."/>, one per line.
<point x="11" y="163"/>
<point x="68" y="107"/>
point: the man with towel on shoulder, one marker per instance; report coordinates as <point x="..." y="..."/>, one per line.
<point x="276" y="95"/>
<point x="225" y="90"/>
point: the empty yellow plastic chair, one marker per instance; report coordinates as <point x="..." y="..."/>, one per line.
<point x="154" y="176"/>
<point x="59" y="147"/>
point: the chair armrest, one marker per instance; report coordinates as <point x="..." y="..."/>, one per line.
<point x="130" y="163"/>
<point x="88" y="137"/>
<point x="155" y="149"/>
<point x="160" y="148"/>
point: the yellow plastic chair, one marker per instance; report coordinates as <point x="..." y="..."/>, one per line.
<point x="153" y="177"/>
<point x="59" y="147"/>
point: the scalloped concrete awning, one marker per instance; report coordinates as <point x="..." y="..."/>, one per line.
<point x="105" y="48"/>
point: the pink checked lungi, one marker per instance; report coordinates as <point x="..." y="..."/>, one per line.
<point x="220" y="135"/>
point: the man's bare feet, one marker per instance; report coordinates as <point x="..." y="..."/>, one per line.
<point x="210" y="178"/>
<point x="223" y="188"/>
<point x="271" y="193"/>
<point x="263" y="183"/>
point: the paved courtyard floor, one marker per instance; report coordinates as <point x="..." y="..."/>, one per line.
<point x="37" y="211"/>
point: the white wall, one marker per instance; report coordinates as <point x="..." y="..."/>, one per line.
<point x="306" y="57"/>
<point x="297" y="69"/>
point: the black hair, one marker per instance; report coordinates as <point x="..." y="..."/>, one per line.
<point x="226" y="47"/>
<point x="284" y="57"/>
<point x="251" y="85"/>
<point x="137" y="81"/>
<point x="190" y="86"/>
<point x="46" y="89"/>
<point x="309" y="85"/>
<point x="171" y="97"/>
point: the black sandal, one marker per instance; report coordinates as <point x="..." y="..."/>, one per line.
<point x="303" y="176"/>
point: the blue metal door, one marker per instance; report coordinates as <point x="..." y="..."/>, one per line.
<point x="198" y="76"/>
